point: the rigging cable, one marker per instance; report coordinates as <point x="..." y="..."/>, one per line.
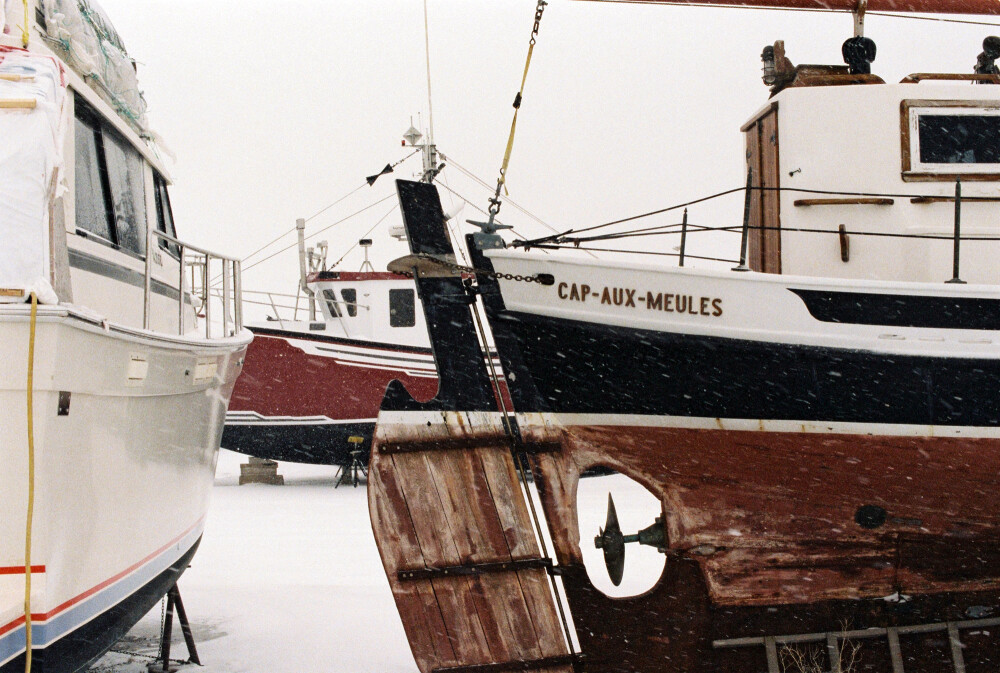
<point x="561" y="237"/>
<point x="364" y="235"/>
<point x="31" y="484"/>
<point x="323" y="210"/>
<point x="315" y="233"/>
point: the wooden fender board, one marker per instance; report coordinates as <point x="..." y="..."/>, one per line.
<point x="434" y="509"/>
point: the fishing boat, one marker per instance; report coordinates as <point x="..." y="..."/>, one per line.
<point x="819" y="423"/>
<point x="117" y="370"/>
<point x="311" y="388"/>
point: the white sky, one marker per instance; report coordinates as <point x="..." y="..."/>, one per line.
<point x="276" y="109"/>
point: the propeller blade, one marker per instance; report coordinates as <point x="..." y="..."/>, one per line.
<point x="610" y="540"/>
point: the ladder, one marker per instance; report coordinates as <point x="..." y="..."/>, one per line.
<point x="833" y="639"/>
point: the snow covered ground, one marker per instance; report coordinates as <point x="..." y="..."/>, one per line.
<point x="288" y="578"/>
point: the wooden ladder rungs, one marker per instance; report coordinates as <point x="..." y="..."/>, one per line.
<point x="14" y="77"/>
<point x="18" y="103"/>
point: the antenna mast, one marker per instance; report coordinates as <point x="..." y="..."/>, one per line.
<point x="429" y="150"/>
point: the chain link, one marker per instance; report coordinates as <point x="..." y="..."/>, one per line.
<point x="542" y="279"/>
<point x="538" y="19"/>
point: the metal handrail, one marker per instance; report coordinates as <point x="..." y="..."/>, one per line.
<point x="192" y="257"/>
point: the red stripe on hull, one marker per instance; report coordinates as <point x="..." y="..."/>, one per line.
<point x="279" y="379"/>
<point x="779" y="508"/>
<point x="19" y="570"/>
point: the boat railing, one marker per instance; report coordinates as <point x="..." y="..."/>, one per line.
<point x="580" y="238"/>
<point x="200" y="264"/>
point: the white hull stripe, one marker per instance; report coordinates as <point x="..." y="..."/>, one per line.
<point x="77" y="611"/>
<point x="253" y="418"/>
<point x="727" y="424"/>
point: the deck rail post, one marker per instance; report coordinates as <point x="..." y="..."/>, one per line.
<point x="746" y="223"/>
<point x="958" y="232"/>
<point x="684" y="235"/>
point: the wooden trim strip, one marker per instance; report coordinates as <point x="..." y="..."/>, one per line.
<point x="957" y="77"/>
<point x="519" y="665"/>
<point x="467" y="444"/>
<point x="951" y="199"/>
<point x="474" y="569"/>
<point x="11" y="292"/>
<point x="760" y="115"/>
<point x="866" y="201"/>
<point x="14" y="77"/>
<point x="950" y="177"/>
<point x="18" y="103"/>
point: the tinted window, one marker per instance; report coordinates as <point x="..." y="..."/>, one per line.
<point x="91" y="204"/>
<point x="164" y="215"/>
<point x="128" y="192"/>
<point x="959" y="139"/>
<point x="351" y="301"/>
<point x="402" y="308"/>
<point x="331" y="303"/>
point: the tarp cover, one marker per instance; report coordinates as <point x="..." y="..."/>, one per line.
<point x="30" y="152"/>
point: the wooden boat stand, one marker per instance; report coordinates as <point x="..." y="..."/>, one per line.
<point x="162" y="663"/>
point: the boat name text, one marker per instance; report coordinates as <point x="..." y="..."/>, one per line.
<point x="631" y="298"/>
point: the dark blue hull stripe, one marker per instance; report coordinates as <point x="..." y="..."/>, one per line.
<point x="578" y="367"/>
<point x="324" y="444"/>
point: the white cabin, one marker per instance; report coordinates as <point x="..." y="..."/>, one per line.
<point x="889" y="155"/>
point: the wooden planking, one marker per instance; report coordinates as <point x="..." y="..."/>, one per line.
<point x="437" y="547"/>
<point x="770" y="199"/>
<point x="519" y="532"/>
<point x="462" y="507"/>
<point x="754" y="249"/>
<point x="416" y="601"/>
<point x="470" y="514"/>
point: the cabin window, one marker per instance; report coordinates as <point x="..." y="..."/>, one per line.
<point x="93" y="213"/>
<point x="402" y="308"/>
<point x="128" y="192"/>
<point x="330" y="297"/>
<point x="110" y="192"/>
<point x="951" y="139"/>
<point x="959" y="138"/>
<point x="350" y="301"/>
<point x="164" y="215"/>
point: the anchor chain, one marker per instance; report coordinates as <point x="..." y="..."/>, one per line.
<point x="541" y="278"/>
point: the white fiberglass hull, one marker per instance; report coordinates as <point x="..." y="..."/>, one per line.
<point x="126" y="435"/>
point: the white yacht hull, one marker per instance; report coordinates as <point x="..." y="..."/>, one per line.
<point x="126" y="434"/>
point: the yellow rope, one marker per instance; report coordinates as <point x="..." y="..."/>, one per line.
<point x="25" y="35"/>
<point x="31" y="485"/>
<point x="502" y="182"/>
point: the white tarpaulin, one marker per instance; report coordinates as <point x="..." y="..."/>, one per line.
<point x="30" y="152"/>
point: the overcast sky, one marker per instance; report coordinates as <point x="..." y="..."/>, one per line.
<point x="276" y="109"/>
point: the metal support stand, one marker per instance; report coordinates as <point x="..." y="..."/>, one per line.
<point x="162" y="663"/>
<point x="348" y="472"/>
